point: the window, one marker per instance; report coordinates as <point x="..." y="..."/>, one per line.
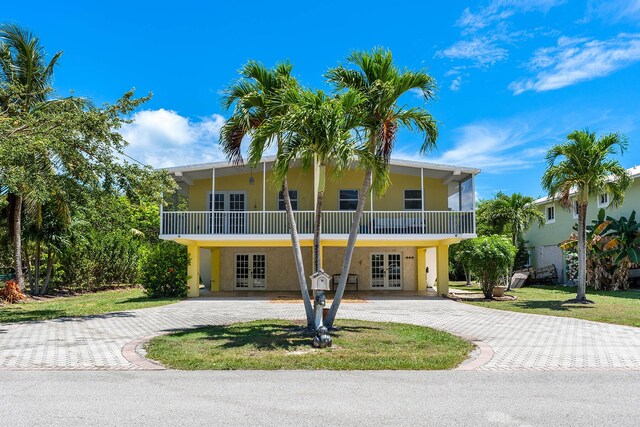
<point x="347" y="200"/>
<point x="603" y="200"/>
<point x="412" y="200"/>
<point x="293" y="195"/>
<point x="575" y="209"/>
<point x="551" y="214"/>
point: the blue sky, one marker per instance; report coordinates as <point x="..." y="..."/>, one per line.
<point x="514" y="76"/>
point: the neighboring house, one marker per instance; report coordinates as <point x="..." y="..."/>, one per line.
<point x="542" y="242"/>
<point x="244" y="243"/>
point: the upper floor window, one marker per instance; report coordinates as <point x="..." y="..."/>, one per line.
<point x="603" y="200"/>
<point x="575" y="209"/>
<point x="550" y="214"/>
<point x="347" y="200"/>
<point x="412" y="200"/>
<point x="293" y="195"/>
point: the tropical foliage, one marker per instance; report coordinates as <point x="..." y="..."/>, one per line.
<point x="164" y="271"/>
<point x="584" y="165"/>
<point x="490" y="258"/>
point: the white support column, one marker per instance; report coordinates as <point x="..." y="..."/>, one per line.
<point x="213" y="196"/>
<point x="473" y="199"/>
<point x="264" y="196"/>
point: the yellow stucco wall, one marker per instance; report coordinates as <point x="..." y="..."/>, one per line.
<point x="436" y="197"/>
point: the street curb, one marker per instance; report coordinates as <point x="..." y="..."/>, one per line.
<point x="133" y="350"/>
<point x="484" y="355"/>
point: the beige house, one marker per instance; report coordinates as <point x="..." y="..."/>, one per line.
<point x="239" y="239"/>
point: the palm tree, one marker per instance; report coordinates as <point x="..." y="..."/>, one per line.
<point x="25" y="76"/>
<point x="253" y="98"/>
<point x="583" y="164"/>
<point x="317" y="131"/>
<point x="381" y="84"/>
<point x="515" y="213"/>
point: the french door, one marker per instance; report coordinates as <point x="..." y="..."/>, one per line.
<point x="251" y="271"/>
<point x="228" y="212"/>
<point x="386" y="271"/>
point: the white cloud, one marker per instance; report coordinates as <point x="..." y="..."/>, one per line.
<point x="480" y="50"/>
<point x="613" y="10"/>
<point x="575" y="60"/>
<point x="500" y="10"/>
<point x="456" y="83"/>
<point x="164" y="138"/>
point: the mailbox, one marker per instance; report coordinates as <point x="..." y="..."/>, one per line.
<point x="320" y="281"/>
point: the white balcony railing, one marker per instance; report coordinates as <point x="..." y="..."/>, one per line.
<point x="333" y="222"/>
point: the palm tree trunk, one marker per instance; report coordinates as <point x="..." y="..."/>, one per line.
<point x="351" y="243"/>
<point x="27" y="262"/>
<point x="16" y="237"/>
<point x="297" y="253"/>
<point x="317" y="228"/>
<point x="35" y="290"/>
<point x="582" y="253"/>
<point x="47" y="278"/>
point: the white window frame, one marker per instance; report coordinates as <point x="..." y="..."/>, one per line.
<point x="606" y="203"/>
<point x="546" y="213"/>
<point x="341" y="199"/>
<point x="209" y="207"/>
<point x="291" y="193"/>
<point x="574" y="208"/>
<point x="419" y="208"/>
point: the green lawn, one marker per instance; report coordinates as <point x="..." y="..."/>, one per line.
<point x="82" y="305"/>
<point x="620" y="307"/>
<point x="278" y="344"/>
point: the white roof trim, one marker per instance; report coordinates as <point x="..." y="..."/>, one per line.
<point x="270" y="159"/>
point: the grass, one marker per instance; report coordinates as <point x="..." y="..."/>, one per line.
<point x="278" y="344"/>
<point x="82" y="305"/>
<point x="619" y="307"/>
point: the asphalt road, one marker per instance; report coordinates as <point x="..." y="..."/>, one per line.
<point x="347" y="398"/>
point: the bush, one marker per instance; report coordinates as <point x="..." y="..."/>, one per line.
<point x="11" y="293"/>
<point x="164" y="270"/>
<point x="489" y="259"/>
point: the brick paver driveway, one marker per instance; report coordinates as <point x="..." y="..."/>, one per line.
<point x="511" y="341"/>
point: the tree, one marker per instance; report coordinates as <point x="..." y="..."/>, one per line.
<point x="583" y="164"/>
<point x="22" y="65"/>
<point x="317" y="130"/>
<point x="381" y="84"/>
<point x="460" y="255"/>
<point x="515" y="213"/>
<point x="255" y="98"/>
<point x="490" y="257"/>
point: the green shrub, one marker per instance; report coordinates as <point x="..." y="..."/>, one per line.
<point x="490" y="258"/>
<point x="164" y="270"/>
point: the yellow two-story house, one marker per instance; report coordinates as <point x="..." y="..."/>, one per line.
<point x="236" y="230"/>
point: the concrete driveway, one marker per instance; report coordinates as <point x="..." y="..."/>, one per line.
<point x="507" y="340"/>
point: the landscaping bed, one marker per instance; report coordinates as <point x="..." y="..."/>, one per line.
<point x="42" y="308"/>
<point x="618" y="307"/>
<point x="280" y="344"/>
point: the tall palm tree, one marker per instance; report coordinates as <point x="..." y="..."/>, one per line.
<point x="583" y="164"/>
<point x="515" y="213"/>
<point x="381" y="84"/>
<point x="317" y="130"/>
<point x="254" y="98"/>
<point x="25" y="80"/>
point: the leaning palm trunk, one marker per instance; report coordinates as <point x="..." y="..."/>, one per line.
<point x="582" y="253"/>
<point x="297" y="253"/>
<point x="351" y="243"/>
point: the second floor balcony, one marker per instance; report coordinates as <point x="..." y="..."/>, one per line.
<point x="408" y="223"/>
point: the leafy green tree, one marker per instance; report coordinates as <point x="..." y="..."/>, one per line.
<point x="255" y="98"/>
<point x="515" y="213"/>
<point x="460" y="255"/>
<point x="583" y="164"/>
<point x="381" y="84"/>
<point x="490" y="257"/>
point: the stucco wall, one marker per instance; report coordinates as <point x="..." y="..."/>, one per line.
<point x="436" y="198"/>
<point x="282" y="275"/>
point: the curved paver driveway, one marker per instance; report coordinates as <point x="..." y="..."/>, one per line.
<point x="518" y="341"/>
